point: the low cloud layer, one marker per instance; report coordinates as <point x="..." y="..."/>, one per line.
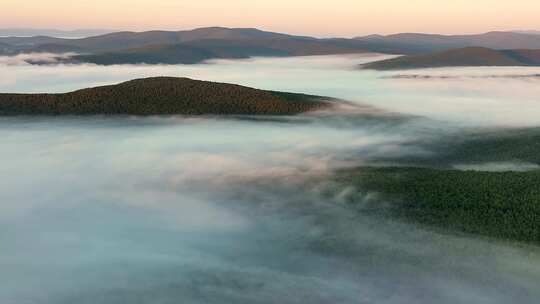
<point x="466" y="96"/>
<point x="239" y="210"/>
<point x="34" y="58"/>
<point x="212" y="211"/>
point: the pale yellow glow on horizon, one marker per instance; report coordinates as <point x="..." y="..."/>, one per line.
<point x="319" y="18"/>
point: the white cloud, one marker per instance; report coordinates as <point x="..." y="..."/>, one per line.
<point x="34" y="58"/>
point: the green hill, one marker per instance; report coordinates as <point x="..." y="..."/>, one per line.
<point x="163" y="95"/>
<point x="470" y="56"/>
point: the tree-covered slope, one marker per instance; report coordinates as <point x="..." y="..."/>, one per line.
<point x="504" y="205"/>
<point x="163" y="95"/>
<point x="496" y="192"/>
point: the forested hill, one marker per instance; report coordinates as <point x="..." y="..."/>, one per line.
<point x="163" y="95"/>
<point x="470" y="56"/>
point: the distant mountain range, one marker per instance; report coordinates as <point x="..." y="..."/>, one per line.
<point x="425" y="43"/>
<point x="233" y="46"/>
<point x="179" y="47"/>
<point x="201" y="44"/>
<point x="532" y="32"/>
<point x="163" y="95"/>
<point x="30" y="32"/>
<point x="470" y="56"/>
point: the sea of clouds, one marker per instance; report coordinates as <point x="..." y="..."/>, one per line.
<point x="242" y="210"/>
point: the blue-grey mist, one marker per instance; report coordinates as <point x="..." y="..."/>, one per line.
<point x="236" y="210"/>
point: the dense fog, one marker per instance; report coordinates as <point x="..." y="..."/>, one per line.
<point x="242" y="209"/>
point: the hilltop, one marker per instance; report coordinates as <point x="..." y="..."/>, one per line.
<point x="470" y="56"/>
<point x="163" y="95"/>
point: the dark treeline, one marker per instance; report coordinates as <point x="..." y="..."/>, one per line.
<point x="162" y="95"/>
<point x="514" y="145"/>
<point x="475" y="146"/>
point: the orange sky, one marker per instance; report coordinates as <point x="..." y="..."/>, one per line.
<point x="313" y="17"/>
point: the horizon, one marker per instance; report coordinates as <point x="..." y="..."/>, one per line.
<point x="115" y="30"/>
<point x="341" y="18"/>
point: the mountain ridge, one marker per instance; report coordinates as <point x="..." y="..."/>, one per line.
<point x="220" y="42"/>
<point x="469" y="56"/>
<point x="436" y="42"/>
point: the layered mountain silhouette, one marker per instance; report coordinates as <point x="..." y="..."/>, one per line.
<point x="532" y="32"/>
<point x="200" y="50"/>
<point x="29" y="32"/>
<point x="470" y="56"/>
<point x="424" y="43"/>
<point x="201" y="44"/>
<point x="163" y="96"/>
<point x="179" y="47"/>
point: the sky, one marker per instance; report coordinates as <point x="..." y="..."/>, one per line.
<point x="310" y="17"/>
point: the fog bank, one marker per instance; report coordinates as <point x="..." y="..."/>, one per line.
<point x="490" y="96"/>
<point x="243" y="209"/>
<point x="117" y="210"/>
